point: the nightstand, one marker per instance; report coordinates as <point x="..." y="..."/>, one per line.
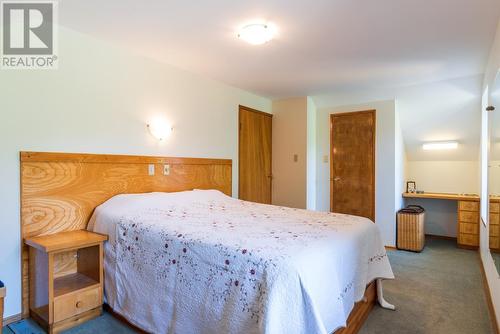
<point x="65" y="278"/>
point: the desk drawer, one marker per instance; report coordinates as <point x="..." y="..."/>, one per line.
<point x="494" y="207"/>
<point x="468" y="206"/>
<point x="468" y="239"/>
<point x="75" y="303"/>
<point x="468" y="217"/>
<point x="494" y="218"/>
<point x="469" y="228"/>
<point x="494" y="230"/>
<point x="494" y="242"/>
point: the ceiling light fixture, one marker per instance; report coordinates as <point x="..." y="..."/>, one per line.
<point x="444" y="145"/>
<point x="257" y="33"/>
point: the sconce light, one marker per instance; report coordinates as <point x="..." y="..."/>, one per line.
<point x="160" y="129"/>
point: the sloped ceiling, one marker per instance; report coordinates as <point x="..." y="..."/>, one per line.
<point x="440" y="111"/>
<point x="428" y="55"/>
<point x="322" y="46"/>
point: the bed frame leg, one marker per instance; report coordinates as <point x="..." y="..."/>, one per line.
<point x="380" y="295"/>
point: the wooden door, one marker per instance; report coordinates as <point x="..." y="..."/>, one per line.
<point x="352" y="163"/>
<point x="255" y="158"/>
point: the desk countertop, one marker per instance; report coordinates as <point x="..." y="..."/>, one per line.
<point x="456" y="197"/>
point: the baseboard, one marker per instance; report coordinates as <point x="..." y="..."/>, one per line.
<point x="12" y="318"/>
<point x="442" y="237"/>
<point x="486" y="287"/>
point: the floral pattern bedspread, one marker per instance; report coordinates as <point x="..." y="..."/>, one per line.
<point x="202" y="262"/>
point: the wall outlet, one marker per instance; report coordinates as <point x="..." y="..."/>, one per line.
<point x="166" y="169"/>
<point x="151" y="169"/>
<point x="325" y="159"/>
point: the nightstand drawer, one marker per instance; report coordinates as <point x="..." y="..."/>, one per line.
<point x="75" y="303"/>
<point x="468" y="217"/>
<point x="468" y="206"/>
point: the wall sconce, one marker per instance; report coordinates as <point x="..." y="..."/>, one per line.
<point x="160" y="129"/>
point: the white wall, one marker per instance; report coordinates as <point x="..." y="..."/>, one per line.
<point x="494" y="178"/>
<point x="289" y="138"/>
<point x="99" y="101"/>
<point x="489" y="266"/>
<point x="442" y="177"/>
<point x="440" y="216"/>
<point x="445" y="176"/>
<point x="401" y="165"/>
<point x="311" y="153"/>
<point x="385" y="163"/>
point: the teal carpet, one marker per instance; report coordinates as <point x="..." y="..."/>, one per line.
<point x="105" y="324"/>
<point x="438" y="291"/>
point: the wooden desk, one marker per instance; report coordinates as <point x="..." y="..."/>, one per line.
<point x="455" y="197"/>
<point x="494" y="222"/>
<point x="467" y="216"/>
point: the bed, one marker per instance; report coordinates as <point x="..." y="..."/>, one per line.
<point x="203" y="262"/>
<point x="308" y="283"/>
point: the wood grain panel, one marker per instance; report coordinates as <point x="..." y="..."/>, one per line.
<point x="468" y="206"/>
<point x="494" y="218"/>
<point x="494" y="225"/>
<point x="255" y="155"/>
<point x="468" y="239"/>
<point x="59" y="191"/>
<point x="352" y="167"/>
<point x="469" y="228"/>
<point x="494" y="243"/>
<point x="76" y="303"/>
<point x="494" y="230"/>
<point x="494" y="207"/>
<point x="468" y="217"/>
<point x="448" y="196"/>
<point x="65" y="263"/>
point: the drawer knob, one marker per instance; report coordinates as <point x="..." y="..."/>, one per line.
<point x="79" y="304"/>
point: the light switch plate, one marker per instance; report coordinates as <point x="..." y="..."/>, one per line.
<point x="325" y="159"/>
<point x="151" y="169"/>
<point x="166" y="169"/>
<point x="295" y="157"/>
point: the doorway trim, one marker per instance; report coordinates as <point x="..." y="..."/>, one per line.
<point x="340" y="114"/>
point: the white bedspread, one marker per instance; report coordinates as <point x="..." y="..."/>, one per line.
<point x="203" y="262"/>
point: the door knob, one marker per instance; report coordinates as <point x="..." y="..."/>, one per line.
<point x="336" y="178"/>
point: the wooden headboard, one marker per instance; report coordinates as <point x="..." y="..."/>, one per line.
<point x="59" y="191"/>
